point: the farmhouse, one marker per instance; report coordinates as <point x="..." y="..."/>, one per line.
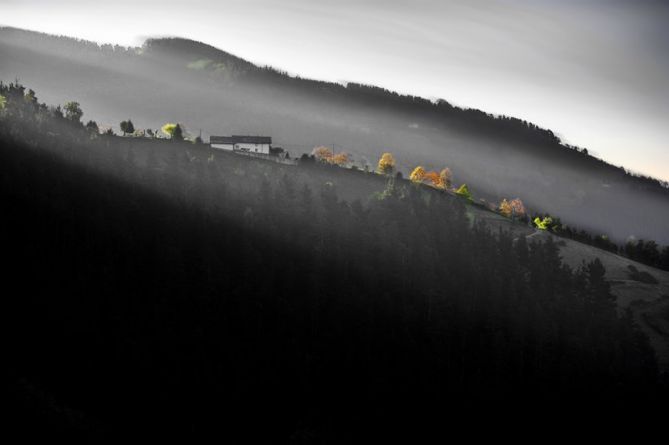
<point x="248" y="144"/>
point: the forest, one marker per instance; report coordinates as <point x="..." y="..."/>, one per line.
<point x="159" y="289"/>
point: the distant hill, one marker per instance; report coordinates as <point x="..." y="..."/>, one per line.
<point x="213" y="91"/>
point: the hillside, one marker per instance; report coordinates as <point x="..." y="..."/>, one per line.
<point x="208" y="89"/>
<point x="160" y="288"/>
<point x="648" y="298"/>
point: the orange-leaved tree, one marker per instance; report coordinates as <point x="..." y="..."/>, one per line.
<point x="512" y="209"/>
<point x="325" y="154"/>
<point x="341" y="159"/>
<point x="433" y="179"/>
<point x="322" y="153"/>
<point x="517" y="208"/>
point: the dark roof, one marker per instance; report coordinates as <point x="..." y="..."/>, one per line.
<point x="240" y="140"/>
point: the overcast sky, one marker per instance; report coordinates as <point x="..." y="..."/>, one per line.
<point x="594" y="71"/>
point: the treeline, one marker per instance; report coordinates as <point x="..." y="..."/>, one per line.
<point x="525" y="134"/>
<point x="162" y="287"/>
<point x="645" y="252"/>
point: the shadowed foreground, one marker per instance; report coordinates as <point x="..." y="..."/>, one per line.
<point x="164" y="290"/>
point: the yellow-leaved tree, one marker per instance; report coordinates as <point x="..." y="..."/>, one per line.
<point x="464" y="192"/>
<point x="417" y="175"/>
<point x="174" y="131"/>
<point x="386" y="164"/>
<point x="543" y="224"/>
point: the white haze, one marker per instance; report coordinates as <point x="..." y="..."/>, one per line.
<point x="594" y="72"/>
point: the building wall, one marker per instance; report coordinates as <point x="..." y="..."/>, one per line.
<point x="222" y="146"/>
<point x="253" y="148"/>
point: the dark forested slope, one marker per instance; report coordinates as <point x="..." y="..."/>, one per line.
<point x="205" y="88"/>
<point x="161" y="287"/>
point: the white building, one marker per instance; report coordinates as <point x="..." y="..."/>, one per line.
<point x="248" y="144"/>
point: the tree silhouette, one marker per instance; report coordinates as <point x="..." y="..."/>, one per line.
<point x="127" y="127"/>
<point x="92" y="126"/>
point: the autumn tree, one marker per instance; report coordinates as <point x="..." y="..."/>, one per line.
<point x="386" y="164"/>
<point x="512" y="209"/>
<point x="325" y="154"/>
<point x="505" y="208"/>
<point x="73" y="111"/>
<point x="174" y="131"/>
<point x="464" y="192"/>
<point x="341" y="159"/>
<point x="417" y="175"/>
<point x="517" y="208"/>
<point x="543" y="224"/>
<point x="433" y="179"/>
<point x="322" y="153"/>
<point x="446" y="178"/>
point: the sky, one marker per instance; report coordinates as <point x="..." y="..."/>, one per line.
<point x="596" y="72"/>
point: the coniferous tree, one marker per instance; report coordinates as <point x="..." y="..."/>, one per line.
<point x="92" y="126"/>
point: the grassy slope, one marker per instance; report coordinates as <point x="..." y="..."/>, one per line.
<point x="649" y="302"/>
